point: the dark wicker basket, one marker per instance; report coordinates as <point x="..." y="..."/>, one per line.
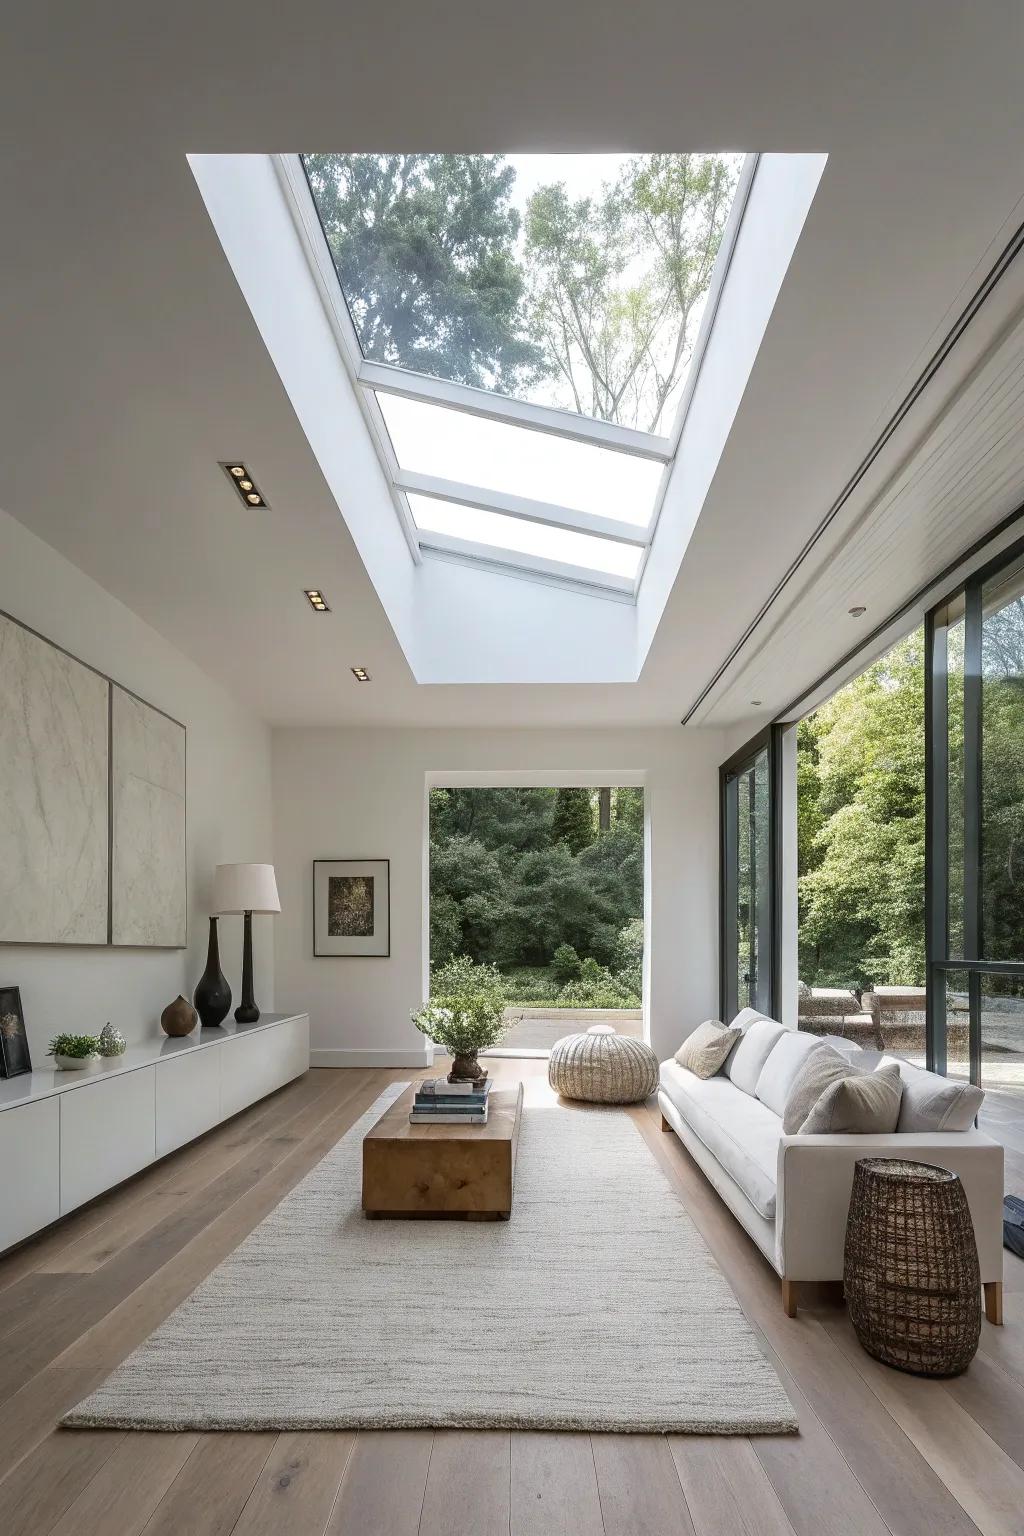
<point x="911" y="1275"/>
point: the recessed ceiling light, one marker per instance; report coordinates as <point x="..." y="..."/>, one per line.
<point x="360" y="674"/>
<point x="244" y="484"/>
<point x="317" y="600"/>
<point x="857" y="611"/>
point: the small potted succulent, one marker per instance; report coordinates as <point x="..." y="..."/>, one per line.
<point x="74" y="1053"/>
<point x="465" y="1014"/>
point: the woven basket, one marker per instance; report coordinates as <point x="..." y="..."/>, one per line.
<point x="601" y="1067"/>
<point x="911" y="1275"/>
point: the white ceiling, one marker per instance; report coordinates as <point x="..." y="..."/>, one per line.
<point x="131" y="363"/>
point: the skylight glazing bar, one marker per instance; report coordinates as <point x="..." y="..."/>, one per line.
<point x="521" y="507"/>
<point x="492" y="555"/>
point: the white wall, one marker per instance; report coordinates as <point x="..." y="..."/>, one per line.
<point x="362" y="794"/>
<point x="228" y="806"/>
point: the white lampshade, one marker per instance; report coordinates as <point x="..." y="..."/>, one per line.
<point x="245" y="888"/>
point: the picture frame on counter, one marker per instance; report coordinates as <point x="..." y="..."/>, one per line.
<point x="15" y="1056"/>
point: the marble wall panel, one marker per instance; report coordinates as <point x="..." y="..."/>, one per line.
<point x="148" y="839"/>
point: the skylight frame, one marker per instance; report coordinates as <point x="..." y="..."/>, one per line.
<point x="369" y="378"/>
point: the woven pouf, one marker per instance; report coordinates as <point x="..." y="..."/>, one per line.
<point x="911" y="1275"/>
<point x="602" y="1067"/>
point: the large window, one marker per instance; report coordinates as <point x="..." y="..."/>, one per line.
<point x="522" y="330"/>
<point x="976" y="828"/>
<point x="748" y="849"/>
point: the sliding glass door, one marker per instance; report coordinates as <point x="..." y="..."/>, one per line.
<point x="748" y="850"/>
<point x="975" y="723"/>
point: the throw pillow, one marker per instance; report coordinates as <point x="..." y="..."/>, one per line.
<point x="819" y="1069"/>
<point x="703" y="1053"/>
<point x="934" y="1103"/>
<point x="784" y="1062"/>
<point x="752" y="1052"/>
<point x="867" y="1104"/>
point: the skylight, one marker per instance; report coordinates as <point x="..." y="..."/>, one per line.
<point x="523" y="329"/>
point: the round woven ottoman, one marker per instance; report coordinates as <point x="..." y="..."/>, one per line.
<point x="601" y="1067"/>
<point x="911" y="1276"/>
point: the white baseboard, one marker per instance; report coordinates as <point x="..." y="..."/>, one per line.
<point x="369" y="1058"/>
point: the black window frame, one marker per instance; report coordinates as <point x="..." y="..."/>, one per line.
<point x="770" y="740"/>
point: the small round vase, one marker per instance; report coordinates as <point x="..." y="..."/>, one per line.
<point x="179" y="1018"/>
<point x="466" y="1069"/>
<point x="112" y="1042"/>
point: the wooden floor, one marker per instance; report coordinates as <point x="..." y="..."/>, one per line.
<point x="878" y="1452"/>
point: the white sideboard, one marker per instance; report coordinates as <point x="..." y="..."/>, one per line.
<point x="65" y="1137"/>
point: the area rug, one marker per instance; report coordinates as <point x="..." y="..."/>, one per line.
<point x="596" y="1307"/>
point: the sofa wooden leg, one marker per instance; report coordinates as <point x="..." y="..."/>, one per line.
<point x="994" y="1301"/>
<point x="789" y="1297"/>
<point x="666" y="1125"/>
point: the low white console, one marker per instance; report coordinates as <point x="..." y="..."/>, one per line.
<point x="68" y="1136"/>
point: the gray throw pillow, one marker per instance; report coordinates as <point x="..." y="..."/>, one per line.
<point x="820" y="1068"/>
<point x="934" y="1103"/>
<point x="867" y="1104"/>
<point x="703" y="1053"/>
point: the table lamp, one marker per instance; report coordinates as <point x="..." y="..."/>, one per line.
<point x="245" y="888"/>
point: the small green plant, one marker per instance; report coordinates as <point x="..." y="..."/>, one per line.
<point x="76" y="1046"/>
<point x="465" y="1013"/>
<point x="565" y="963"/>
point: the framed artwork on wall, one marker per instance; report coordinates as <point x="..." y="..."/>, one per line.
<point x="14" y="1052"/>
<point x="351" y="908"/>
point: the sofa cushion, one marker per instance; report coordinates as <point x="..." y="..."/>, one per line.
<point x="817" y="1071"/>
<point x="865" y="1104"/>
<point x="704" y="1052"/>
<point x="742" y="1022"/>
<point x="749" y="1056"/>
<point x="737" y="1129"/>
<point x="784" y="1062"/>
<point x="934" y="1103"/>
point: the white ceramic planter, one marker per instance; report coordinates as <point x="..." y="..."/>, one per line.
<point x="76" y="1063"/>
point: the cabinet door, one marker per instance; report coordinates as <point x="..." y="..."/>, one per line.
<point x="106" y="1134"/>
<point x="254" y="1065"/>
<point x="30" y="1156"/>
<point x="187" y="1098"/>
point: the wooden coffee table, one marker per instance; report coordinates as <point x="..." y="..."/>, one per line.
<point x="443" y="1171"/>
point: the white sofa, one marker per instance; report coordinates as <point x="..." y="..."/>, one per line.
<point x="792" y="1193"/>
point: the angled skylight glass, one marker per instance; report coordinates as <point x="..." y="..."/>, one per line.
<point x="522" y="329"/>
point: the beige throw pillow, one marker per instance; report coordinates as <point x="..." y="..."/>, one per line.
<point x="867" y="1104"/>
<point x="703" y="1053"/>
<point x="821" y="1068"/>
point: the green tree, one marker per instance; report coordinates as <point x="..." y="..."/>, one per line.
<point x="573" y="819"/>
<point x="617" y="281"/>
<point x="628" y="808"/>
<point x="425" y="251"/>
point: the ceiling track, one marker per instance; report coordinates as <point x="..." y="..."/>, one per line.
<point x="996" y="273"/>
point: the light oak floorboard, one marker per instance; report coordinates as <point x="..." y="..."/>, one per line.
<point x="639" y="1487"/>
<point x="382" y="1494"/>
<point x="298" y="1486"/>
<point x="467" y="1487"/>
<point x="51" y="1477"/>
<point x="554" y="1486"/>
<point x="209" y="1493"/>
<point x="726" y="1488"/>
<point x="128" y="1487"/>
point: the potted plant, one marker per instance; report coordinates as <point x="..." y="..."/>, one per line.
<point x="465" y="1014"/>
<point x="73" y="1053"/>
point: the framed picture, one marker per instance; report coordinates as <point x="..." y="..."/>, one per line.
<point x="14" y="1052"/>
<point x="351" y="907"/>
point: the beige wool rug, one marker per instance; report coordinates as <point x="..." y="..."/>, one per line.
<point x="596" y="1307"/>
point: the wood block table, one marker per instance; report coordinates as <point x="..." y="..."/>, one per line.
<point x="443" y="1171"/>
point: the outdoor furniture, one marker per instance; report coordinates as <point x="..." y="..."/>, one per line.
<point x="602" y="1067"/>
<point x="911" y="1275"/>
<point x="455" y="1171"/>
<point x="834" y="1011"/>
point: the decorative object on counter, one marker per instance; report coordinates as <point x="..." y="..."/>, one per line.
<point x="212" y="996"/>
<point x="911" y="1274"/>
<point x="246" y="888"/>
<point x="351" y="908"/>
<point x="1013" y="1225"/>
<point x="179" y="1018"/>
<point x="465" y="1015"/>
<point x="15" y="1057"/>
<point x="147" y="809"/>
<point x="74" y="1053"/>
<point x="602" y="1067"/>
<point x="112" y="1042"/>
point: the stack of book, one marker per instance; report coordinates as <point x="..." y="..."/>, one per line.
<point x="439" y="1102"/>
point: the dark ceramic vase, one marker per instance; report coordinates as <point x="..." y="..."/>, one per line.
<point x="178" y="1018"/>
<point x="212" y="995"/>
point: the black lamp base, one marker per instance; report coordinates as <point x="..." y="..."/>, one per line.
<point x="247" y="1011"/>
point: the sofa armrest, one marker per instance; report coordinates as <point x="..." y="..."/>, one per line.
<point x="815" y="1178"/>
